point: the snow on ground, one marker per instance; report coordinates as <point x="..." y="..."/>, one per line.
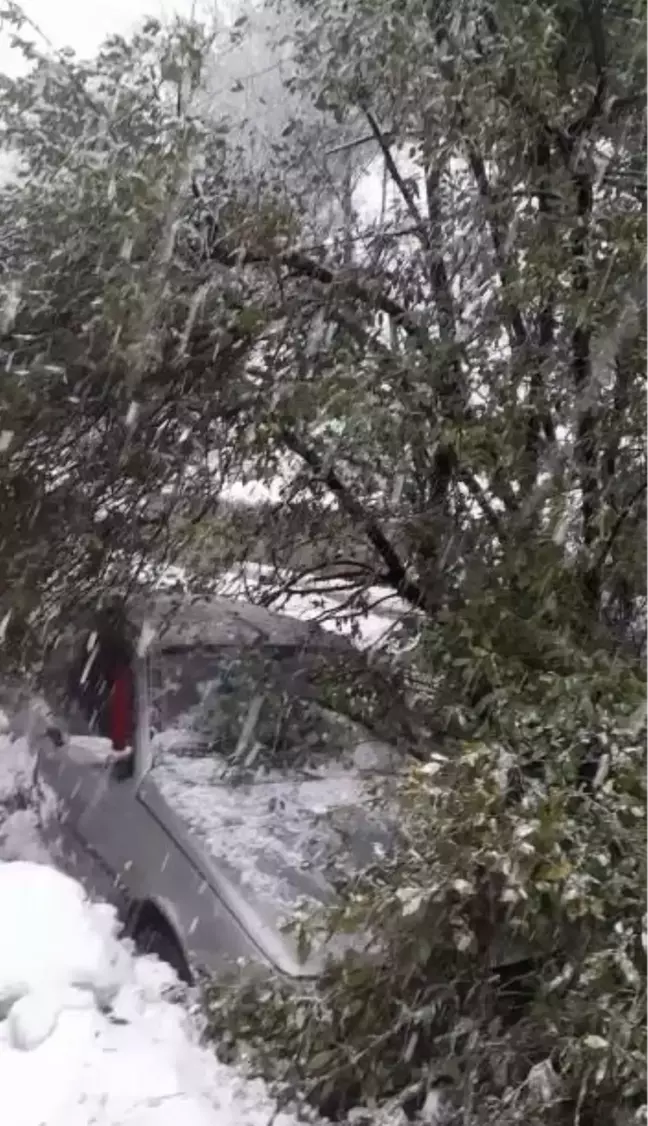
<point x="20" y="838"/>
<point x="19" y="833"/>
<point x="16" y="765"/>
<point x="90" y="1033"/>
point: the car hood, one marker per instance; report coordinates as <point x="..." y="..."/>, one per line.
<point x="276" y="844"/>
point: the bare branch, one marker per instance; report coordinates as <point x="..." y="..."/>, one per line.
<point x="392" y="168"/>
<point x="615" y="529"/>
<point x="518" y="332"/>
<point x="396" y="575"/>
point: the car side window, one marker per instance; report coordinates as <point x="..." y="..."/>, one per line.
<point x="83" y="692"/>
<point x="53" y="684"/>
<point x="92" y="705"/>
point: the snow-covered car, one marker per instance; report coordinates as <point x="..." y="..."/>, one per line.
<point x="209" y="774"/>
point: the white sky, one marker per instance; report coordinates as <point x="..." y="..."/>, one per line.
<point x="84" y="24"/>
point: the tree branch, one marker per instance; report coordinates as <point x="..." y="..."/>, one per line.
<point x="464" y="474"/>
<point x="615" y="529"/>
<point x="438" y="273"/>
<point x="396" y="575"/>
<point x="519" y="337"/>
<point x="585" y="450"/>
<point x="392" y="168"/>
<point x="302" y="265"/>
<point x="593" y="18"/>
<point x="539" y="413"/>
<point x="563" y="136"/>
<point x="220" y="250"/>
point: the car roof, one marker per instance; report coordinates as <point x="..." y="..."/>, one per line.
<point x="182" y="621"/>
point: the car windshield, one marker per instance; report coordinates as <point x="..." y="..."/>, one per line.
<point x="277" y="784"/>
<point x="255" y="714"/>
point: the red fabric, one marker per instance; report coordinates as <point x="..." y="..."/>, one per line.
<point x="121" y="700"/>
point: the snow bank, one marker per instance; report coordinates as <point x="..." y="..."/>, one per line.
<point x="82" y="950"/>
<point x="88" y="1033"/>
<point x="16" y="765"/>
<point x="20" y="836"/>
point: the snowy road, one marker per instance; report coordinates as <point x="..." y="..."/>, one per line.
<point x="90" y="1033"/>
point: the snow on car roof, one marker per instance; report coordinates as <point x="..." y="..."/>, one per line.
<point x="168" y="621"/>
<point x="171" y="621"/>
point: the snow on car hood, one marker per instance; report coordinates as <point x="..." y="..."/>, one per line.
<point x="280" y="840"/>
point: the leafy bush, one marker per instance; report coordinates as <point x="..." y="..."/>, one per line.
<point x="504" y="939"/>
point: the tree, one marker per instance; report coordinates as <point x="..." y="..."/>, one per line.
<point x="468" y="441"/>
<point x="133" y="323"/>
<point x="470" y="387"/>
<point x="449" y="382"/>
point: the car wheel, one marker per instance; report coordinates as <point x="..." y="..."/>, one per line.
<point x="155" y="938"/>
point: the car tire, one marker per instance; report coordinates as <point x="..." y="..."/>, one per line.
<point x="155" y="938"/>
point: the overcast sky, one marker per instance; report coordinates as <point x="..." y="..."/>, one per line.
<point x="84" y="24"/>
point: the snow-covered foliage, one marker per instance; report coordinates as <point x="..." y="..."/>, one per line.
<point x="507" y="938"/>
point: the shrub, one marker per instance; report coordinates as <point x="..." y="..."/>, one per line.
<point x="504" y="937"/>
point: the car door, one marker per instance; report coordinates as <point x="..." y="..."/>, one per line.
<point x="69" y="752"/>
<point x="77" y="762"/>
<point x="110" y="821"/>
<point x="72" y="763"/>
